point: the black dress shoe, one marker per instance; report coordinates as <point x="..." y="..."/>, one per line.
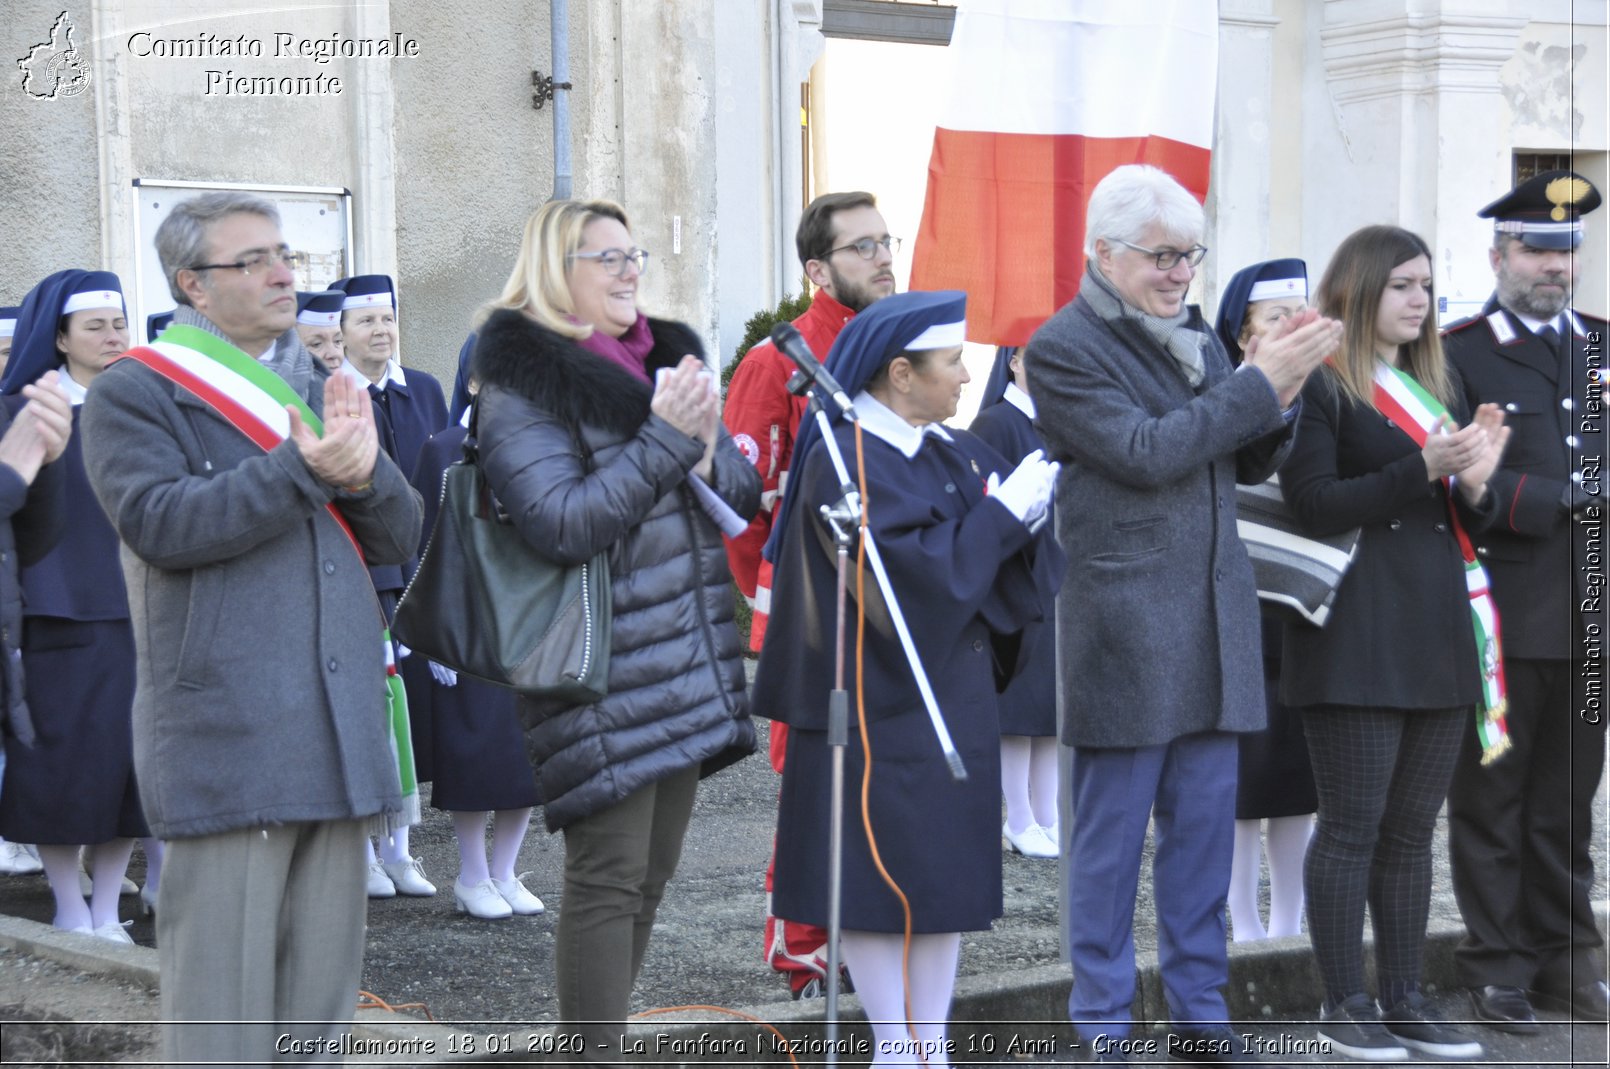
<point x="1585" y="1002"/>
<point x="1503" y="1008"/>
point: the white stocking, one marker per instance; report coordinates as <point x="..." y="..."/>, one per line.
<point x="61" y="869"/>
<point x="395" y="848"/>
<point x="1015" y="783"/>
<point x="111" y="864"/>
<point x="1244" y="871"/>
<point x="508" y="832"/>
<point x="874" y="962"/>
<point x="469" y="828"/>
<point x="1043" y="780"/>
<point x="153" y="849"/>
<point x="1286" y="847"/>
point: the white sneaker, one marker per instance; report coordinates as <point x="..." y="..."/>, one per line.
<point x="17" y="860"/>
<point x="481" y="900"/>
<point x="1031" y="842"/>
<point x="519" y="899"/>
<point x="378" y="884"/>
<point x="115" y="932"/>
<point x="409" y="877"/>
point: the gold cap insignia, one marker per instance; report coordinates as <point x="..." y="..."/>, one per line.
<point x="1563" y="191"/>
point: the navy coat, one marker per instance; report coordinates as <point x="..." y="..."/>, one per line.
<point x="1029" y="700"/>
<point x="1157" y="621"/>
<point x="964" y="569"/>
<point x="1399" y="635"/>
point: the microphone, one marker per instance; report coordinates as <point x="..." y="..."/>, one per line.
<point x="791" y="345"/>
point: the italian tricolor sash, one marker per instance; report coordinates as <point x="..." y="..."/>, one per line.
<point x="1404" y="401"/>
<point x="253" y="399"/>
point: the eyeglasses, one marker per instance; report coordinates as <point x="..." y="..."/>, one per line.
<point x="867" y="248"/>
<point x="1168" y="259"/>
<point x="614" y="261"/>
<point x="260" y="261"/>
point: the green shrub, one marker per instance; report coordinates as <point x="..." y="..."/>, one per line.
<point x="759" y="327"/>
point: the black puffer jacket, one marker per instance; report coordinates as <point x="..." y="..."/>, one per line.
<point x="676" y="682"/>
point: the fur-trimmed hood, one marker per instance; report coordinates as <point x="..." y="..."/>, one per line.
<point x="575" y="385"/>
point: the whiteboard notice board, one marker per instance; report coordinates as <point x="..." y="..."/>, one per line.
<point x="314" y="220"/>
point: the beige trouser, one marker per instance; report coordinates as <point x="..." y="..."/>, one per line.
<point x="257" y="928"/>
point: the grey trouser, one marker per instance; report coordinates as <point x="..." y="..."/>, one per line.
<point x="259" y="927"/>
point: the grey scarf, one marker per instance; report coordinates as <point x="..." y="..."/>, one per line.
<point x="290" y="359"/>
<point x="1183" y="343"/>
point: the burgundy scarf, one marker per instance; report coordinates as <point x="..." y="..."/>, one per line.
<point x="629" y="351"/>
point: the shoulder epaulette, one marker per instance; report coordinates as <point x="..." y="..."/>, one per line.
<point x="1499" y="322"/>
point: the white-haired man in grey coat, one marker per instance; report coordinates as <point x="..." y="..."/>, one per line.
<point x="1157" y="620"/>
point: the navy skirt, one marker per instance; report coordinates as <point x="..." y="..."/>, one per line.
<point x="75" y="784"/>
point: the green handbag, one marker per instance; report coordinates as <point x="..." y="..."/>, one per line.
<point x="485" y="603"/>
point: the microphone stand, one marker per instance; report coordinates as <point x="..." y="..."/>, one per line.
<point x="843" y="517"/>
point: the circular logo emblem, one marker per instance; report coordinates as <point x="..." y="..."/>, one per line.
<point x="748" y="447"/>
<point x="68" y="73"/>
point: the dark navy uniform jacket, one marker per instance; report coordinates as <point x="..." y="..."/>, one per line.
<point x="1557" y="426"/>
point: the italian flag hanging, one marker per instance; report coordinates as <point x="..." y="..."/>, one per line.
<point x="253" y="399"/>
<point x="1404" y="401"/>
<point x="1046" y="98"/>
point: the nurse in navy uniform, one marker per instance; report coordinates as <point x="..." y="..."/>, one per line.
<point x="75" y="785"/>
<point x="409" y="408"/>
<point x="478" y="747"/>
<point x="1519" y="829"/>
<point x="1274" y="780"/>
<point x="969" y="556"/>
<point x="318" y="325"/>
<point x="1005" y="421"/>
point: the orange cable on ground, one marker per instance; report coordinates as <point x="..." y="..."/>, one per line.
<point x="368" y="1000"/>
<point x="731" y="1013"/>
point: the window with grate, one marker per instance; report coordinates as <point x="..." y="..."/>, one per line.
<point x="1532" y="164"/>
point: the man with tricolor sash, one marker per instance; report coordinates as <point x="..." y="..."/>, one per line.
<point x="262" y="717"/>
<point x="1519" y="829"/>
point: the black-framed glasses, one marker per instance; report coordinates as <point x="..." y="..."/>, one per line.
<point x="867" y="248"/>
<point x="614" y="261"/>
<point x="266" y="260"/>
<point x="1168" y="259"/>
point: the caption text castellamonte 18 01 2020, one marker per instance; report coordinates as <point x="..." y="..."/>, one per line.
<point x="146" y="45"/>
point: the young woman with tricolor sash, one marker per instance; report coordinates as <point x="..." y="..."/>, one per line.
<point x="1410" y="652"/>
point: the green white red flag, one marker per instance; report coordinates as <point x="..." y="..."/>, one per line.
<point x="1046" y="98"/>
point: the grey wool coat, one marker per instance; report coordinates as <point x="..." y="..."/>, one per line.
<point x="260" y="681"/>
<point x="572" y="451"/>
<point x="1157" y="620"/>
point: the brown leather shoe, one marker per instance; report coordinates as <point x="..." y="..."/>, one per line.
<point x="1503" y="1008"/>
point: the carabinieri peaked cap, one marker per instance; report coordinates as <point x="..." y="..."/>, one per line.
<point x="903" y="322"/>
<point x="33" y="350"/>
<point x="1268" y="281"/>
<point x="367" y="291"/>
<point x="1545" y="211"/>
<point x="320" y="309"/>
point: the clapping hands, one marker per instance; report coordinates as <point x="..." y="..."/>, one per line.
<point x="345" y="456"/>
<point x="1470" y="453"/>
<point x="685" y="397"/>
<point x="1026" y="492"/>
<point x="39" y="433"/>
